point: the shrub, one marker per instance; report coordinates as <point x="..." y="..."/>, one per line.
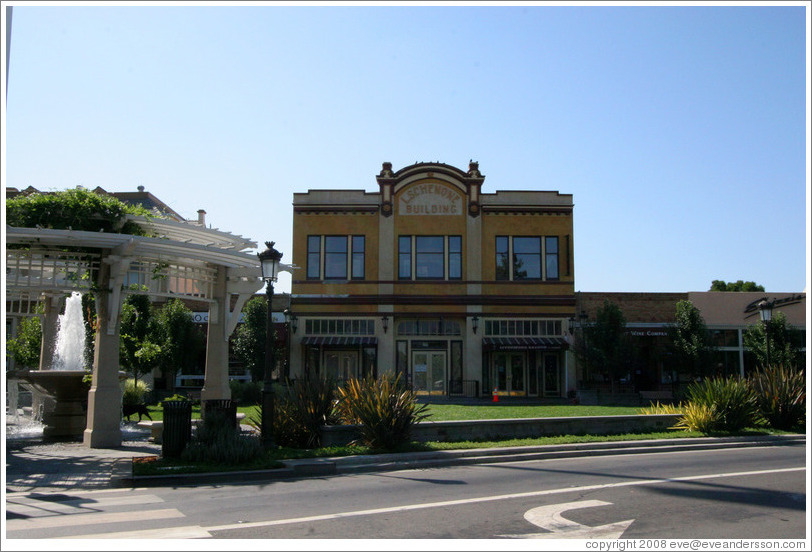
<point x="178" y="397"/>
<point x="661" y="409"/>
<point x="732" y="399"/>
<point x="781" y="395"/>
<point x="300" y="411"/>
<point x="246" y="392"/>
<point x="699" y="417"/>
<point x="217" y="441"/>
<point x="134" y="392"/>
<point x="383" y="408"/>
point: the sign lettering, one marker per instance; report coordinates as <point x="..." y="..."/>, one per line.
<point x="430" y="199"/>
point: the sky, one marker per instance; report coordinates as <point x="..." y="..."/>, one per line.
<point x="681" y="131"/>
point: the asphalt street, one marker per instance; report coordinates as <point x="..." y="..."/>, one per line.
<point x="752" y="493"/>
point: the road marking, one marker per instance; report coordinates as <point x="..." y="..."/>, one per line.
<point x="89" y="519"/>
<point x="37" y="507"/>
<point x="189" y="532"/>
<point x="41" y="492"/>
<point x="550" y="518"/>
<point x="446" y="503"/>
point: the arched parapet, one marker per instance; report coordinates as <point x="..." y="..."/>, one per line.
<point x="448" y="183"/>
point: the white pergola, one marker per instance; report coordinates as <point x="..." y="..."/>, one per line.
<point x="178" y="259"/>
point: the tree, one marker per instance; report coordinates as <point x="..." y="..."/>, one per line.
<point x="25" y="348"/>
<point x="249" y="341"/>
<point x="739" y="285"/>
<point x="785" y="347"/>
<point x="178" y="337"/>
<point x="603" y="347"/>
<point x="138" y="352"/>
<point x="691" y="341"/>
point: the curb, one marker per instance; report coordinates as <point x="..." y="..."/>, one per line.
<point x="322" y="467"/>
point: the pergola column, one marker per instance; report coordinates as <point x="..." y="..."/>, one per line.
<point x="50" y="326"/>
<point x="104" y="399"/>
<point x="215" y="385"/>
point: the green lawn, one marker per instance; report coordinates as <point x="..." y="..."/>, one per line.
<point x="445" y="412"/>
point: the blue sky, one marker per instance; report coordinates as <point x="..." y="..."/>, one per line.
<point x="680" y="131"/>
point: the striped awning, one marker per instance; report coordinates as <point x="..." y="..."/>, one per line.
<point x="335" y="340"/>
<point x="525" y="343"/>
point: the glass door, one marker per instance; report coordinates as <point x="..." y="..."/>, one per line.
<point x="508" y="373"/>
<point x="428" y="372"/>
<point x="341" y="365"/>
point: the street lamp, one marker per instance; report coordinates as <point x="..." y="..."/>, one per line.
<point x="765" y="308"/>
<point x="269" y="261"/>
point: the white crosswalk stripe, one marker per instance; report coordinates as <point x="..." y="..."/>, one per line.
<point x="29" y="514"/>
<point x="72" y="520"/>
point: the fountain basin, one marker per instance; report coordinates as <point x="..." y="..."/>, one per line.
<point x="68" y="418"/>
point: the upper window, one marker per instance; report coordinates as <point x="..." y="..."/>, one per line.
<point x="429" y="257"/>
<point x="526" y="258"/>
<point x="334" y="257"/>
<point x="551" y="257"/>
<point x="358" y="257"/>
<point x="313" y="257"/>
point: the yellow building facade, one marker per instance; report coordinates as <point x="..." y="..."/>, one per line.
<point x="462" y="292"/>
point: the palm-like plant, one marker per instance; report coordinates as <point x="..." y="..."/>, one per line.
<point x="781" y="395"/>
<point x="383" y="408"/>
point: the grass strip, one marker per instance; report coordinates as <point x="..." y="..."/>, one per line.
<point x="273" y="459"/>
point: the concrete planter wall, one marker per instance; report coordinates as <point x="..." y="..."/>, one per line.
<point x="472" y="430"/>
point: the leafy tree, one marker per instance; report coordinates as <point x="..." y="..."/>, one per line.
<point x="177" y="336"/>
<point x="785" y="347"/>
<point x="25" y="348"/>
<point x="604" y="347"/>
<point x="138" y="352"/>
<point x="691" y="343"/>
<point x="739" y="285"/>
<point x="249" y="341"/>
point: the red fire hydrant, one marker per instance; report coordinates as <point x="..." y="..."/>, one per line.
<point x="495" y="395"/>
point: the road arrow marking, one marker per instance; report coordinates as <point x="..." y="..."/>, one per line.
<point x="550" y="518"/>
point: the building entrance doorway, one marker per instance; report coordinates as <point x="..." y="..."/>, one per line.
<point x="552" y="377"/>
<point x="341" y="365"/>
<point x="508" y="373"/>
<point x="428" y="372"/>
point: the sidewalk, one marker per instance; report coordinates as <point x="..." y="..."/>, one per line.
<point x="32" y="465"/>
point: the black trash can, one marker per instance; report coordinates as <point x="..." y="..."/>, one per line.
<point x="221" y="407"/>
<point x="177" y="430"/>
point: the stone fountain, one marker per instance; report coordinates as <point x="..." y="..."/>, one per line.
<point x="63" y="381"/>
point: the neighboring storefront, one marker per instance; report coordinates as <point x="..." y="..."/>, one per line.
<point x="462" y="292"/>
<point x="649" y="316"/>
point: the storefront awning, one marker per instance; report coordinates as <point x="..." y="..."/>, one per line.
<point x="339" y="340"/>
<point x="524" y="343"/>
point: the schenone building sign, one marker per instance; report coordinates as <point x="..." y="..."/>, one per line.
<point x="459" y="291"/>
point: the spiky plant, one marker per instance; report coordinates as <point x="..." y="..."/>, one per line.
<point x="781" y="395"/>
<point x="383" y="408"/>
<point x="732" y="398"/>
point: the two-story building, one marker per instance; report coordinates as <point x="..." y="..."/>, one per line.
<point x="463" y="292"/>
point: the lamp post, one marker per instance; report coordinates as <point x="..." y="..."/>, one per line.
<point x="269" y="261"/>
<point x="765" y="308"/>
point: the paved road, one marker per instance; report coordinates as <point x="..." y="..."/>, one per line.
<point x="736" y="493"/>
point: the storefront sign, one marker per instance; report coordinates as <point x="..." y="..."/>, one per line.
<point x="791" y="300"/>
<point x="648" y="333"/>
<point x="430" y="199"/>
